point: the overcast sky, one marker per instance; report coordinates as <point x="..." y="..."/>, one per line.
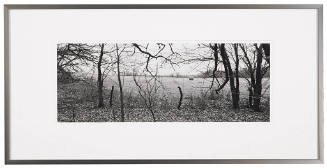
<point x="178" y="54"/>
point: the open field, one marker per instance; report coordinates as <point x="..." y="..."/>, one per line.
<point x="195" y="87"/>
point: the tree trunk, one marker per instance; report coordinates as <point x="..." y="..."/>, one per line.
<point x="251" y="72"/>
<point x="215" y="53"/>
<point x="180" y="98"/>
<point x="150" y="105"/>
<point x="152" y="113"/>
<point x="258" y="82"/>
<point x="250" y="96"/>
<point x="100" y="80"/>
<point x="228" y="68"/>
<point x="120" y="87"/>
<point x="237" y="79"/>
<point x="111" y="93"/>
<point x="266" y="49"/>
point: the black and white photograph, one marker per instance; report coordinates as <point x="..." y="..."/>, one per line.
<point x="163" y="82"/>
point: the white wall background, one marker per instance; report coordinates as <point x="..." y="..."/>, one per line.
<point x="131" y="2"/>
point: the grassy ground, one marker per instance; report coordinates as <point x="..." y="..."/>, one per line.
<point x="77" y="102"/>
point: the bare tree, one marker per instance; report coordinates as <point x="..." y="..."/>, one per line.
<point x="157" y="55"/>
<point x="118" y="54"/>
<point x="104" y="64"/>
<point x="148" y="92"/>
<point x="231" y="76"/>
<point x="70" y="57"/>
<point x="100" y="78"/>
<point x="258" y="76"/>
<point x="237" y="78"/>
<point x="256" y="68"/>
<point x="228" y="68"/>
<point x="215" y="50"/>
<point x="250" y="71"/>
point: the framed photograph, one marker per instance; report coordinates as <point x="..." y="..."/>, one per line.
<point x="163" y="84"/>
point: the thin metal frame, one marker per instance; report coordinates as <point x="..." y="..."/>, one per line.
<point x="318" y="7"/>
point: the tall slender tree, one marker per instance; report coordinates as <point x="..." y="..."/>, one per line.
<point x="237" y="78"/>
<point x="118" y="53"/>
<point x="100" y="78"/>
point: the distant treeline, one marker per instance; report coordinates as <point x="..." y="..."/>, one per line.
<point x="243" y="73"/>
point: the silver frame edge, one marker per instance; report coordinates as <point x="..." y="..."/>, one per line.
<point x="320" y="143"/>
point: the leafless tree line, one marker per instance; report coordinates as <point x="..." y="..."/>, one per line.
<point x="107" y="59"/>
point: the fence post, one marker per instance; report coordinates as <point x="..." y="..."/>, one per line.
<point x="180" y="98"/>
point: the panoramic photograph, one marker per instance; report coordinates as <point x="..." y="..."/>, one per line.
<point x="163" y="82"/>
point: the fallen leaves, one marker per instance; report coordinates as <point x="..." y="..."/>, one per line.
<point x="77" y="103"/>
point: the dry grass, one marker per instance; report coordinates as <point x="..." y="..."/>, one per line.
<point x="77" y="102"/>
